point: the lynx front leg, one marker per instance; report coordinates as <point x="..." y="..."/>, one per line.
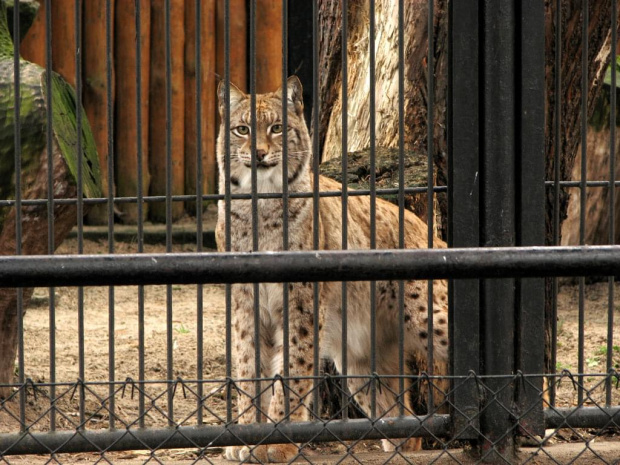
<point x="297" y="387"/>
<point x="244" y="356"/>
<point x="300" y="368"/>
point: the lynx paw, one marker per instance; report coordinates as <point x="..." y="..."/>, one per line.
<point x="277" y="453"/>
<point x="410" y="445"/>
<point x="236" y="453"/>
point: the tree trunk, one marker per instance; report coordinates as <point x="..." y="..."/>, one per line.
<point x="128" y="129"/>
<point x="386" y="77"/>
<point x="330" y="56"/>
<point x="96" y="91"/>
<point x="386" y="80"/>
<point x="387" y="167"/>
<point x="34" y="242"/>
<point x="596" y="227"/>
<point x="159" y="120"/>
<point x="206" y="157"/>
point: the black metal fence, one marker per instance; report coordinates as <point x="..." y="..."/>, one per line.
<point x="174" y="393"/>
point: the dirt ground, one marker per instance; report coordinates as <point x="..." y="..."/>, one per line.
<point x="183" y="341"/>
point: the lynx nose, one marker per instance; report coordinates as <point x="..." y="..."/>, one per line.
<point x="261" y="154"/>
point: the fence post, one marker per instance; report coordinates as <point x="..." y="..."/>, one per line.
<point x="496" y="182"/>
<point x="497" y="225"/>
<point x="531" y="211"/>
<point x="463" y="211"/>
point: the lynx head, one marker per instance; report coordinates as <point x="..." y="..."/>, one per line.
<point x="269" y="138"/>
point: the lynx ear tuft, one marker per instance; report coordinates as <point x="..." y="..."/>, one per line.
<point x="294" y="94"/>
<point x="236" y="96"/>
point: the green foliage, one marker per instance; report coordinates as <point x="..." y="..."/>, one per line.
<point x="560" y="367"/>
<point x="608" y="73"/>
<point x="602" y="350"/>
<point x="602" y="109"/>
<point x="181" y="329"/>
<point x="6" y="44"/>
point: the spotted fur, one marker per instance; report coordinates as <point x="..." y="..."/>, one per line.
<point x="269" y="141"/>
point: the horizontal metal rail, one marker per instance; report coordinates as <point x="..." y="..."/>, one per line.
<point x="582" y="417"/>
<point x="223" y="435"/>
<point x="352" y="265"/>
<point x="269" y="433"/>
<point x="212" y="197"/>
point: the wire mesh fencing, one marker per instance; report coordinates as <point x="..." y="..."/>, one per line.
<point x="326" y="434"/>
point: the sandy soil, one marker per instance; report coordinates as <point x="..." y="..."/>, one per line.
<point x="596" y="304"/>
<point x="96" y="349"/>
<point x="184" y="343"/>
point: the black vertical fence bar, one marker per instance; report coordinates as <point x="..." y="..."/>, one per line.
<point x="140" y="210"/>
<point x="110" y="161"/>
<point x="582" y="182"/>
<point x="228" y="317"/>
<point x="612" y="194"/>
<point x="373" y="209"/>
<point x="530" y="205"/>
<point x="315" y="199"/>
<point x="78" y="112"/>
<point x="254" y="189"/>
<point x="50" y="207"/>
<point x="169" y="309"/>
<point x="497" y="176"/>
<point x="557" y="133"/>
<point x="80" y="201"/>
<point x="463" y="209"/>
<point x="401" y="199"/>
<point x="227" y="207"/>
<point x="199" y="206"/>
<point x="345" y="128"/>
<point x="18" y="214"/>
<point x="583" y="192"/>
<point x="430" y="90"/>
<point x="285" y="206"/>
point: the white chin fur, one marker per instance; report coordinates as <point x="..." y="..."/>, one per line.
<point x="268" y="180"/>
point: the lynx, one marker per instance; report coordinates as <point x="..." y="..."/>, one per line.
<point x="269" y="140"/>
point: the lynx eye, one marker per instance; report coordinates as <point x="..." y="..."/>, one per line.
<point x="241" y="130"/>
<point x="276" y="129"/>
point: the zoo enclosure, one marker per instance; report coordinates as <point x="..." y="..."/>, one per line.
<point x="498" y="126"/>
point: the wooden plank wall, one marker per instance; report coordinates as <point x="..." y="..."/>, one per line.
<point x="187" y="151"/>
